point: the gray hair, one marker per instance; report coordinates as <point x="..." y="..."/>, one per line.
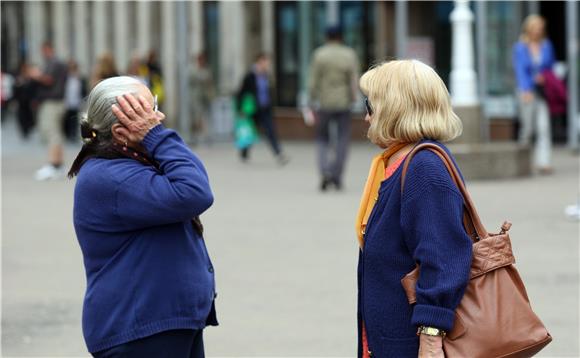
<point x="99" y="117"/>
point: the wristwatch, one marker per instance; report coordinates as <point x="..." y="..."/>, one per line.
<point x="431" y="331"/>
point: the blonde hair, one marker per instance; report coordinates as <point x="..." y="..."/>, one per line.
<point x="410" y="102"/>
<point x="530" y="21"/>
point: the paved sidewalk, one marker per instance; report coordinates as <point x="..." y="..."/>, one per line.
<point x="285" y="254"/>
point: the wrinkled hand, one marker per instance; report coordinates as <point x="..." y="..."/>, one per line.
<point x="137" y="116"/>
<point x="431" y="346"/>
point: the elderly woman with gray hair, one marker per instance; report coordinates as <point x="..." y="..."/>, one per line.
<point x="138" y="196"/>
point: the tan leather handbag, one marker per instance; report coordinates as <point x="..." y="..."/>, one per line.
<point x="494" y="318"/>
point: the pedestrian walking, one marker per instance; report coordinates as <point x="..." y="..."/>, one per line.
<point x="408" y="104"/>
<point x="138" y="197"/>
<point x="532" y="55"/>
<point x="334" y="73"/>
<point x="52" y="81"/>
<point x="25" y="94"/>
<point x="202" y="91"/>
<point x="75" y="91"/>
<point x="256" y="87"/>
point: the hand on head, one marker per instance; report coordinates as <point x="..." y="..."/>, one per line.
<point x="136" y="117"/>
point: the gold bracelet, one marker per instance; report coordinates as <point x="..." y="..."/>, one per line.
<point x="431" y="331"/>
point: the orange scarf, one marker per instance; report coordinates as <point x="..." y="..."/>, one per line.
<point x="371" y="190"/>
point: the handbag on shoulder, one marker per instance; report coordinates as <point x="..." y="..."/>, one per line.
<point x="494" y="317"/>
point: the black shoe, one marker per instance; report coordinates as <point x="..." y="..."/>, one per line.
<point x="325" y="184"/>
<point x="337" y="184"/>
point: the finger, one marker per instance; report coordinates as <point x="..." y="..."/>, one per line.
<point x="126" y="108"/>
<point x="121" y="115"/>
<point x="160" y="116"/>
<point x="145" y="104"/>
<point x="134" y="103"/>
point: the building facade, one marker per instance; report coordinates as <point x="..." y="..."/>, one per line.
<point x="232" y="33"/>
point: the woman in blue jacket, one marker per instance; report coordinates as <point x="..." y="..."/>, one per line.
<point x="137" y="201"/>
<point x="532" y="55"/>
<point x="407" y="104"/>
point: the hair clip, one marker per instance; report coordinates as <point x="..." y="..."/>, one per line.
<point x="94" y="134"/>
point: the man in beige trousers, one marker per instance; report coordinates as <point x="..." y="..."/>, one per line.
<point x="333" y="88"/>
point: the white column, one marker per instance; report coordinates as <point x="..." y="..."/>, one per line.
<point x="267" y="13"/>
<point x="401" y="27"/>
<point x="573" y="88"/>
<point x="332" y="13"/>
<point x="122" y="49"/>
<point x="81" y="37"/>
<point x="168" y="60"/>
<point x="463" y="78"/>
<point x="143" y="27"/>
<point x="232" y="45"/>
<point x="183" y="56"/>
<point x="99" y="18"/>
<point x="60" y="29"/>
<point x="13" y="21"/>
<point x="35" y="30"/>
<point x="196" y="33"/>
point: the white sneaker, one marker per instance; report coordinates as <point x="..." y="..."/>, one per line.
<point x="49" y="172"/>
<point x="573" y="212"/>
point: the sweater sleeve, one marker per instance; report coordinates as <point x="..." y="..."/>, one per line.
<point x="176" y="193"/>
<point x="431" y="219"/>
<point x="524" y="80"/>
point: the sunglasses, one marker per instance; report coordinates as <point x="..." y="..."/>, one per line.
<point x="368" y="106"/>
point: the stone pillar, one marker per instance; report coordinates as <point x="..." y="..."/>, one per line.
<point x="463" y="78"/>
<point x="183" y="71"/>
<point x="35" y="30"/>
<point x="401" y="27"/>
<point x="13" y="21"/>
<point x="304" y="50"/>
<point x="168" y="60"/>
<point x="572" y="57"/>
<point x="121" y="17"/>
<point x="481" y="26"/>
<point x="381" y="30"/>
<point x="143" y="27"/>
<point x="232" y="45"/>
<point x="60" y="29"/>
<point x="99" y="18"/>
<point x="196" y="33"/>
<point x="81" y="37"/>
<point x="267" y="14"/>
<point x="332" y="13"/>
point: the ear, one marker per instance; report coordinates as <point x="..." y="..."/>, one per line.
<point x="120" y="133"/>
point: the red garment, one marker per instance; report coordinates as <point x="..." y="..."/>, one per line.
<point x="555" y="92"/>
<point x="388" y="172"/>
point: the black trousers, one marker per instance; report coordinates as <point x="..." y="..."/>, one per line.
<point x="178" y="343"/>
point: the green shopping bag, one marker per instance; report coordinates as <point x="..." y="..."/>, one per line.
<point x="245" y="132"/>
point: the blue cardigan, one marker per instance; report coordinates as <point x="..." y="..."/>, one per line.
<point x="524" y="66"/>
<point x="423" y="225"/>
<point x="147" y="269"/>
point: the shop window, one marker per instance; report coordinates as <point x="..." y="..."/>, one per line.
<point x="286" y="19"/>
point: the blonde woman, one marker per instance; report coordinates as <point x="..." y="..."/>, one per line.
<point x="407" y="104"/>
<point x="533" y="55"/>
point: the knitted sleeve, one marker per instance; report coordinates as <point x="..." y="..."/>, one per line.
<point x="524" y="79"/>
<point x="177" y="192"/>
<point x="431" y="219"/>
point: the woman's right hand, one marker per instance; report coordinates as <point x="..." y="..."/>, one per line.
<point x="137" y="116"/>
<point x="527" y="96"/>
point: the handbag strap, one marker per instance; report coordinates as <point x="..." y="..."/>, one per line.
<point x="473" y="224"/>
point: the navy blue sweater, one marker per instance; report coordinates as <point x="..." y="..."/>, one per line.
<point x="423" y="225"/>
<point x="147" y="268"/>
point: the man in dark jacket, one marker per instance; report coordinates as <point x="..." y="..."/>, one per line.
<point x="256" y="83"/>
